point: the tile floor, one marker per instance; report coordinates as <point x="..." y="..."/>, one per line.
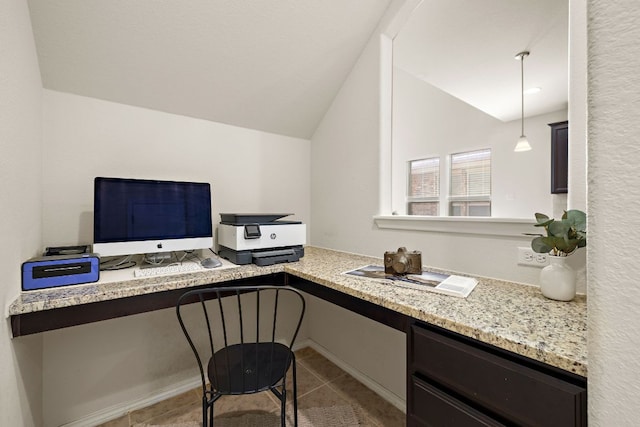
<point x="320" y="384"/>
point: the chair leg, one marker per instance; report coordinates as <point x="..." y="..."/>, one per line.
<point x="295" y="393"/>
<point x="283" y="407"/>
<point x="204" y="410"/>
<point x="207" y="411"/>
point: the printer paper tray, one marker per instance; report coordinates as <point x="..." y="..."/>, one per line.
<point x="263" y="257"/>
<point x="275" y="257"/>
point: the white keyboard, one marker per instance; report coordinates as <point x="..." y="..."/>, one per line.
<point x="163" y="270"/>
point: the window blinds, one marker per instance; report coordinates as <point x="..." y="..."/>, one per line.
<point x="424" y="178"/>
<point x="471" y="175"/>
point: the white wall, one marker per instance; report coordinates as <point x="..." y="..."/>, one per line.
<point x="577" y="196"/>
<point x="345" y="183"/>
<point x="93" y="367"/>
<point x="20" y="206"/>
<point x="613" y="201"/>
<point x="249" y="171"/>
<point x="428" y="122"/>
<point x="344" y="191"/>
<point x="375" y="351"/>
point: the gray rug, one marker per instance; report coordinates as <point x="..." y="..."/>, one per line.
<point x="334" y="416"/>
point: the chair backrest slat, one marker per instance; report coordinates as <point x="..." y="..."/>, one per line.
<point x="230" y="328"/>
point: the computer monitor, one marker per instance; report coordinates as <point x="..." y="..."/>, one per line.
<point x="136" y="216"/>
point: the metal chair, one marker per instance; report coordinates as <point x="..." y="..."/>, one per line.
<point x="246" y="345"/>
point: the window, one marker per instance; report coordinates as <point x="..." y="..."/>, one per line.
<point x="424" y="187"/>
<point x="470" y="186"/>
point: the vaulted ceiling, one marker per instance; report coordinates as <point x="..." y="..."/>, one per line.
<point x="467" y="48"/>
<point x="271" y="65"/>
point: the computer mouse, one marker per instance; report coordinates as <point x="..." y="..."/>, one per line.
<point x="210" y="263"/>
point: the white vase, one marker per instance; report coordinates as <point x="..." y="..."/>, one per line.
<point x="558" y="280"/>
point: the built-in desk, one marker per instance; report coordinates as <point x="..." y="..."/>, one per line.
<point x="504" y="343"/>
<point x="509" y="316"/>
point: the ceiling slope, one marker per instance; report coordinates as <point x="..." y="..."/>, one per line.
<point x="467" y="49"/>
<point x="270" y="65"/>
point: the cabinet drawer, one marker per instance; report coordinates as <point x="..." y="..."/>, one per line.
<point x="508" y="389"/>
<point x="431" y="407"/>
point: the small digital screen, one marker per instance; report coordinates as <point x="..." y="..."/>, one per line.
<point x="131" y="210"/>
<point x="251" y="231"/>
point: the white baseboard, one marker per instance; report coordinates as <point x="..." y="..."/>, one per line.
<point x="374" y="386"/>
<point x="119" y="410"/>
<point x="168" y="392"/>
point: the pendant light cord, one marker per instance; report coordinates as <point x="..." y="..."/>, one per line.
<point x="521" y="56"/>
<point x="522" y="92"/>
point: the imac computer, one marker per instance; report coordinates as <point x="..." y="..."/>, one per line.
<point x="136" y="216"/>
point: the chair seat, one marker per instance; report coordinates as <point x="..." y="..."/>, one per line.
<point x="248" y="368"/>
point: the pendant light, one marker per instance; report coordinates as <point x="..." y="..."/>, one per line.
<point x="523" y="144"/>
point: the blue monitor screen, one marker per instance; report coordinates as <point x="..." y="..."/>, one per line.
<point x="128" y="210"/>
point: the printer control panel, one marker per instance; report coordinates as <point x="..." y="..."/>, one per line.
<point x="252" y="231"/>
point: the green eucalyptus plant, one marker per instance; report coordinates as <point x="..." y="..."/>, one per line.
<point x="563" y="237"/>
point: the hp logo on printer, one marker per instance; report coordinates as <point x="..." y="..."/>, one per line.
<point x="273" y="236"/>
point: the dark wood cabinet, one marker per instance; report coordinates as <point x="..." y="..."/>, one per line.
<point x="431" y="406"/>
<point x="559" y="157"/>
<point x="454" y="380"/>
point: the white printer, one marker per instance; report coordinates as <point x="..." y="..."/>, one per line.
<point x="262" y="239"/>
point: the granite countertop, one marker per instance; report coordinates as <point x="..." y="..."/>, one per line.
<point x="511" y="316"/>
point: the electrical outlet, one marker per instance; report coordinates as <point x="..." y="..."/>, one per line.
<point x="542" y="259"/>
<point x="526" y="256"/>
